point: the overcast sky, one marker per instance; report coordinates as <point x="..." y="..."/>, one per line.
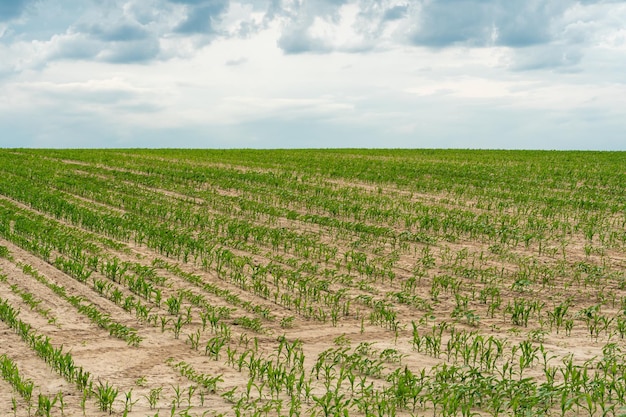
<point x="532" y="74"/>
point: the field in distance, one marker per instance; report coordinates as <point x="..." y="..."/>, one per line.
<point x="312" y="283"/>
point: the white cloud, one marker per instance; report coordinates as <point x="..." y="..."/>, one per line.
<point x="239" y="109"/>
<point x="303" y="73"/>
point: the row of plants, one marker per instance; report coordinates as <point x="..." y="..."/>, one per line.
<point x="475" y="278"/>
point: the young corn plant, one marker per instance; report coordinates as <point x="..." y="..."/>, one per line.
<point x="45" y="404"/>
<point x="105" y="396"/>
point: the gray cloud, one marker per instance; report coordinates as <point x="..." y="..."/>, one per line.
<point x="453" y="22"/>
<point x="236" y="62"/>
<point x="523" y="26"/>
<point x="114" y="31"/>
<point x="274" y="9"/>
<point x="102" y="47"/>
<point x="437" y="24"/>
<point x="557" y="57"/>
<point x="482" y="23"/>
<point x="122" y="32"/>
<point x="296" y="37"/>
<point x="540" y="34"/>
<point x="527" y="23"/>
<point x="296" y="40"/>
<point x="211" y="3"/>
<point x="201" y="15"/>
<point x="395" y="12"/>
<point x="74" y="46"/>
<point x="10" y="9"/>
<point x="130" y="52"/>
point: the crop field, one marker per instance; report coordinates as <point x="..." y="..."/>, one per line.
<point x="312" y="283"/>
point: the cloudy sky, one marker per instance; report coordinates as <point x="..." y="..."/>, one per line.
<point x="533" y="74"/>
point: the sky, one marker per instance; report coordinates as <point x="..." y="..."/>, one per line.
<point x="504" y="74"/>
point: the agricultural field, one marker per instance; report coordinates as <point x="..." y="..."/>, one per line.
<point x="312" y="283"/>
